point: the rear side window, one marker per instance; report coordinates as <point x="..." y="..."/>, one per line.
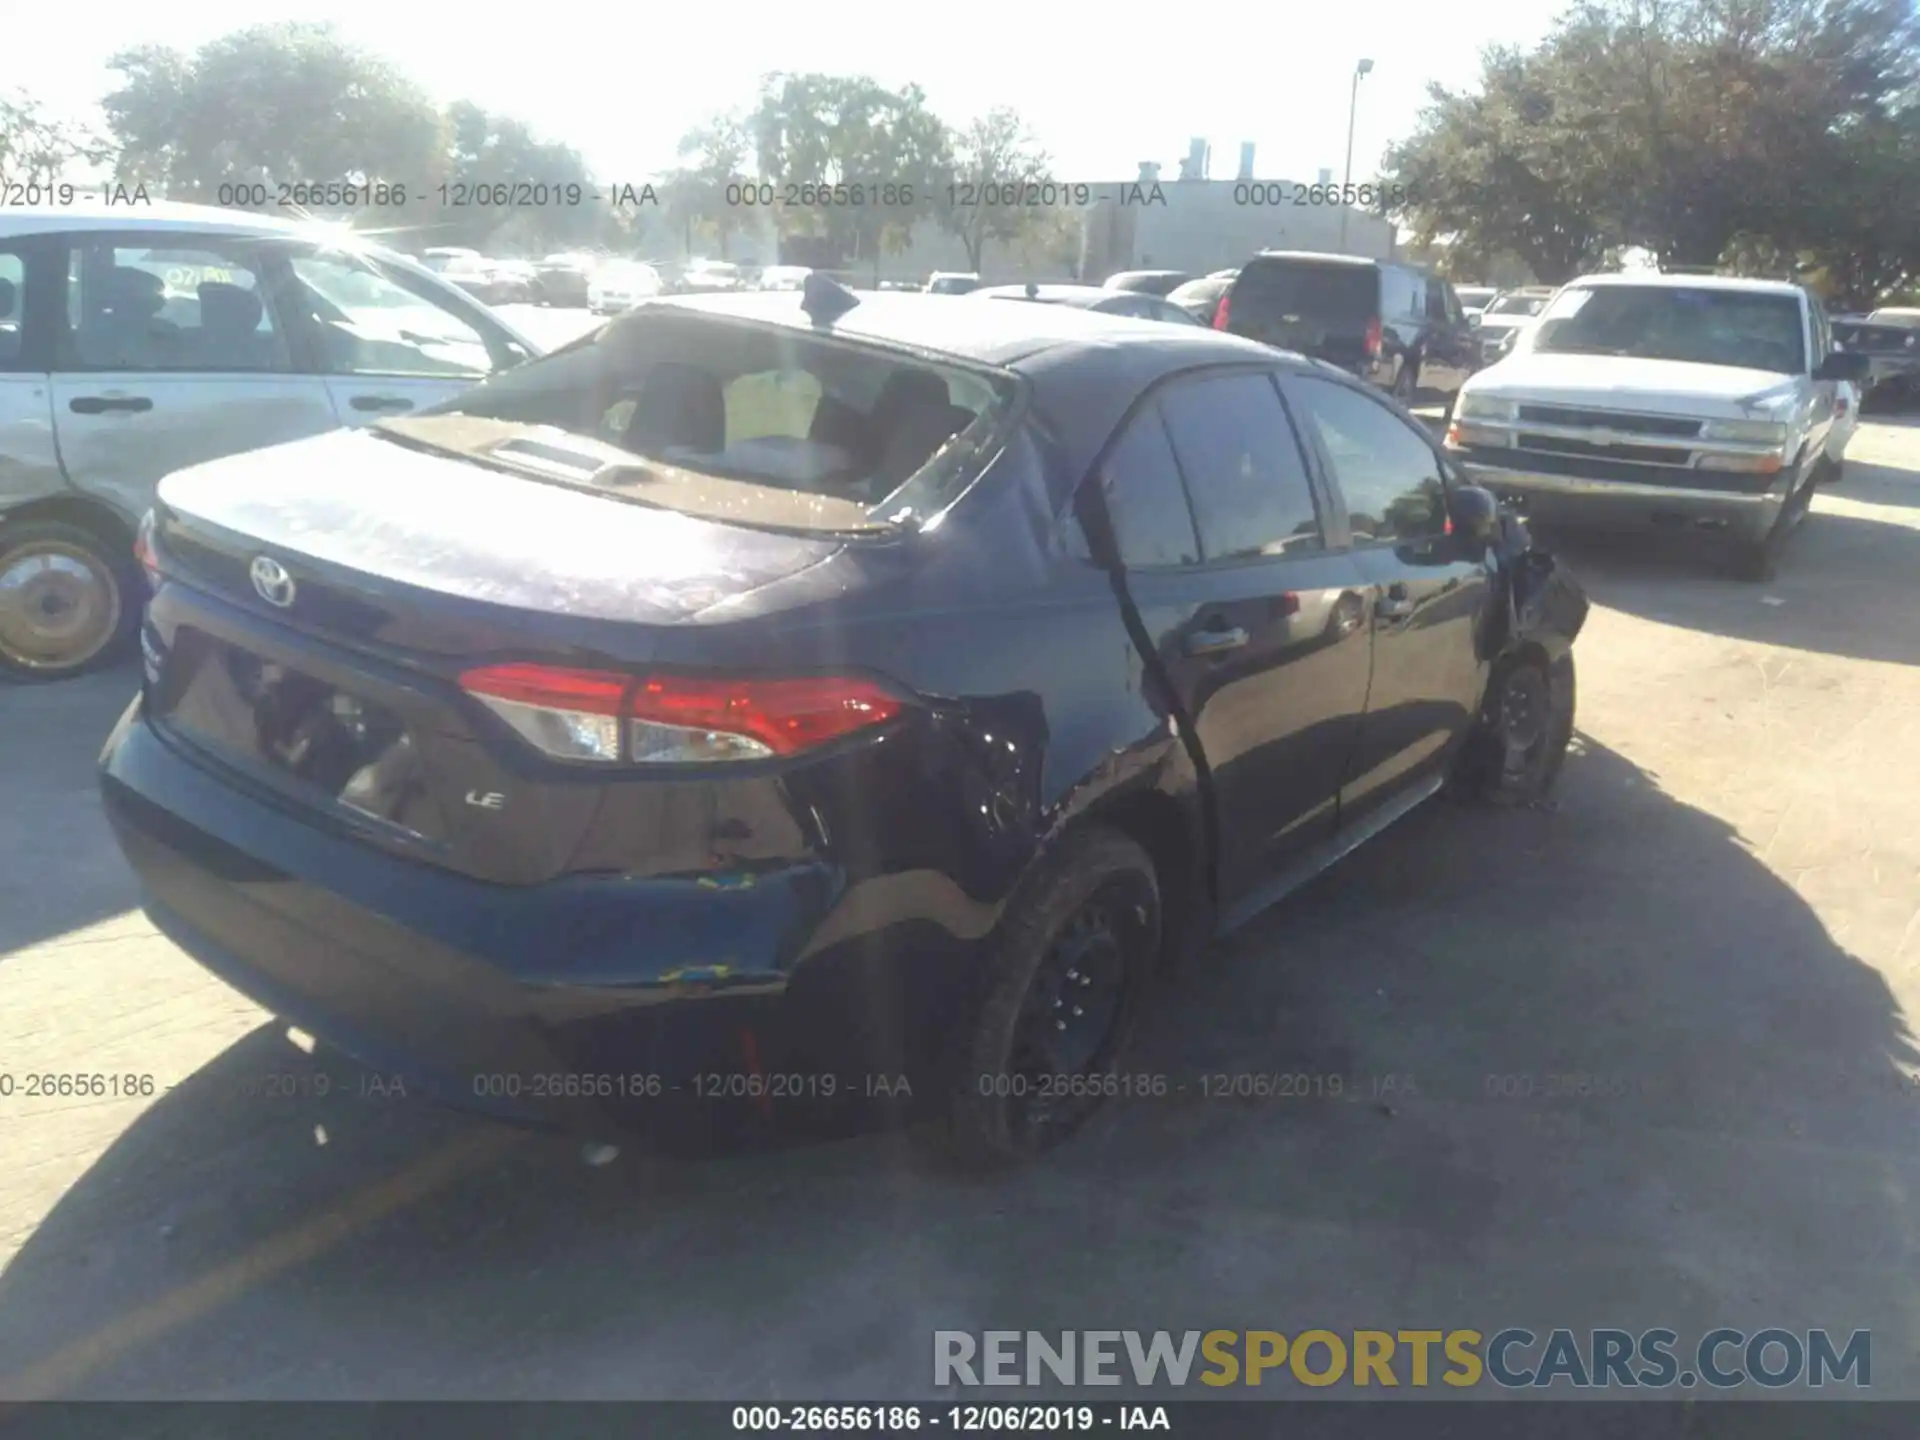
<point x="195" y="306"/>
<point x="1243" y="467"/>
<point x="1152" y="524"/>
<point x="13" y="302"/>
<point x="1400" y="296"/>
<point x="1309" y="289"/>
<point x="1389" y="475"/>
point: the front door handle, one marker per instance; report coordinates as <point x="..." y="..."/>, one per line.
<point x="101" y="404"/>
<point x="1215" y="642"/>
<point x="380" y="402"/>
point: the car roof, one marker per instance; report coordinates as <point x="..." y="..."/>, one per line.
<point x="1654" y="278"/>
<point x="161" y="215"/>
<point x="1085" y="368"/>
<point x="1319" y="257"/>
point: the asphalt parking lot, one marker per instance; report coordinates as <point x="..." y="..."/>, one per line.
<point x="1717" y="927"/>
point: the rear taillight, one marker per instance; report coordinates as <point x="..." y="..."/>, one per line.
<point x="143" y="550"/>
<point x="1373" y="339"/>
<point x="1220" y="315"/>
<point x="607" y="717"/>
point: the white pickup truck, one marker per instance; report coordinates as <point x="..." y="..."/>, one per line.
<point x="1675" y="401"/>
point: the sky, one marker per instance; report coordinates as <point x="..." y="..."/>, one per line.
<point x="1102" y="93"/>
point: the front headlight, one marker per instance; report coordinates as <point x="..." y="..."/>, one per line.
<point x="1484" y="407"/>
<point x="1748" y="432"/>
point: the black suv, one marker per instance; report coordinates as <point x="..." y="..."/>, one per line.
<point x="1393" y="324"/>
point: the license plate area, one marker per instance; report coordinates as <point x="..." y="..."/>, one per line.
<point x="299" y="734"/>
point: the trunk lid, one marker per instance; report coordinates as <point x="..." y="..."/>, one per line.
<point x="327" y="679"/>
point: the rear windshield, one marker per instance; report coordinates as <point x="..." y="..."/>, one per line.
<point x="1309" y="289"/>
<point x="763" y="405"/>
<point x="1517" y="305"/>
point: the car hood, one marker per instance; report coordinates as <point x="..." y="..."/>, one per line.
<point x="1618" y="382"/>
<point x="437" y="522"/>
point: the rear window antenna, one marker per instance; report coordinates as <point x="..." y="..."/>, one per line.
<point x="824" y="300"/>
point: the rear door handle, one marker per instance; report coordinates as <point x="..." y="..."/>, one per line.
<point x="1214" y="642"/>
<point x="380" y="402"/>
<point x="101" y="404"/>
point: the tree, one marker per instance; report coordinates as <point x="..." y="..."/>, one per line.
<point x="883" y="146"/>
<point x="276" y="104"/>
<point x="1680" y="126"/>
<point x="995" y="150"/>
<point x="36" y="149"/>
<point x="485" y="150"/>
<point x="696" y="195"/>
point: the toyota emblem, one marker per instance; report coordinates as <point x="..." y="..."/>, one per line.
<point x="270" y="578"/>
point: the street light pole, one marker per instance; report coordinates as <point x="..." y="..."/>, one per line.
<point x="1353" y="110"/>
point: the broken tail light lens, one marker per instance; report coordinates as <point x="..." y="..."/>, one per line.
<point x="1373" y="338"/>
<point x="607" y="717"/>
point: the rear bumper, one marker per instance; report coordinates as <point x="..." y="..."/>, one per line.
<point x="1625" y="505"/>
<point x="583" y="1004"/>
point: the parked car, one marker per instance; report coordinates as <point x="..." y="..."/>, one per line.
<point x="1648" y="400"/>
<point x="564" y="279"/>
<point x="1392" y="324"/>
<point x="710" y="277"/>
<point x="1506" y="315"/>
<point x="622" y="284"/>
<point x="1148" y="282"/>
<point x="438" y="257"/>
<point x="1201" y="298"/>
<point x="952" y="282"/>
<point x="1890" y="339"/>
<point x="1474" y="299"/>
<point x="1093" y="297"/>
<point x="170" y="335"/>
<point x="516" y="282"/>
<point x="784" y="277"/>
<point x="908" y="729"/>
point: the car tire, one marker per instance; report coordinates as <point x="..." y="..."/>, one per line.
<point x="73" y="603"/>
<point x="1086" y="922"/>
<point x="1514" y="753"/>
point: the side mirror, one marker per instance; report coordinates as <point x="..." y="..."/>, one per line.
<point x="1844" y="365"/>
<point x="1474" y="319"/>
<point x="1474" y="515"/>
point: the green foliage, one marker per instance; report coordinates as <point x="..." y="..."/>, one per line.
<point x="1776" y="132"/>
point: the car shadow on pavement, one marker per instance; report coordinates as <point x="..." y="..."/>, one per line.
<point x="50" y="739"/>
<point x="1592" y="1066"/>
<point x="1839" y="588"/>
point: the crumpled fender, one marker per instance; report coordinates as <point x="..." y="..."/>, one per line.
<point x="1540" y="603"/>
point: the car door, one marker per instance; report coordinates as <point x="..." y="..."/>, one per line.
<point x="29" y="461"/>
<point x="1449" y="343"/>
<point x="169" y="356"/>
<point x="386" y="341"/>
<point x="1255" y="624"/>
<point x="1425" y="603"/>
<point x="1825" y="410"/>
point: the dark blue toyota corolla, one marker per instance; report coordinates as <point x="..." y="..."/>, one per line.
<point x="814" y="701"/>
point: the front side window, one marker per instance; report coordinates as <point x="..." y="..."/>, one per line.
<point x="1243" y="467"/>
<point x="1389" y="476"/>
<point x="369" y="321"/>
<point x="193" y="305"/>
